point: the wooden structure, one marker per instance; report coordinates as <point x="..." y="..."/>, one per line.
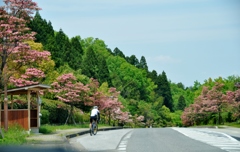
<point x="27" y="118"/>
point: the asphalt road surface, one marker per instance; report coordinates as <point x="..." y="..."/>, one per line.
<point x="157" y="140"/>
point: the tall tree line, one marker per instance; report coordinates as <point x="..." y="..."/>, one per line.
<point x="87" y="55"/>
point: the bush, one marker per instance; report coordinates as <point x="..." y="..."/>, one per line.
<point x="45" y="116"/>
<point x="15" y="135"/>
<point x="51" y="107"/>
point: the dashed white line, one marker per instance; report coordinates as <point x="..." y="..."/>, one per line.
<point x="123" y="144"/>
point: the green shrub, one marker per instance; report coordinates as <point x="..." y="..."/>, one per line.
<point x="46" y="129"/>
<point x="45" y="116"/>
<point x="62" y="115"/>
<point x="78" y="117"/>
<point x="51" y="107"/>
<point x="15" y="135"/>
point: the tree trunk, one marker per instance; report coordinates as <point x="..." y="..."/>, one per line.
<point x="5" y="107"/>
<point x="67" y="117"/>
<point x="72" y="115"/>
<point x="109" y="118"/>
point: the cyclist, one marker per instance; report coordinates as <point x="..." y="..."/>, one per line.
<point x="95" y="115"/>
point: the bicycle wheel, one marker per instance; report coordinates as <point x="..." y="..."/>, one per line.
<point x="95" y="128"/>
<point x="91" y="129"/>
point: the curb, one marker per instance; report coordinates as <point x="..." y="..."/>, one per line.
<point x="87" y="132"/>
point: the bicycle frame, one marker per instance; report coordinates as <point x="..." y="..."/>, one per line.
<point x="94" y="128"/>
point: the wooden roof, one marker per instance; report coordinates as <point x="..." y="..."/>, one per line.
<point x="23" y="90"/>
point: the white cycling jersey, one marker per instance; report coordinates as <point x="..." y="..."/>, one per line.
<point x="94" y="112"/>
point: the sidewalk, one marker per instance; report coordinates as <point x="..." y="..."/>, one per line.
<point x="59" y="140"/>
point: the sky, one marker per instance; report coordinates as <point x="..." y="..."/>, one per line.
<point x="191" y="40"/>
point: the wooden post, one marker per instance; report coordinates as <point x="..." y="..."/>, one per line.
<point x="38" y="110"/>
<point x="29" y="110"/>
<point x="0" y="114"/>
<point x="5" y="108"/>
<point x="11" y="101"/>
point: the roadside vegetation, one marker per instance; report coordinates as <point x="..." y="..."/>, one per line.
<point x="15" y="135"/>
<point x="83" y="73"/>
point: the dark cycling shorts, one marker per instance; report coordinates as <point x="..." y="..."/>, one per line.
<point x="93" y="118"/>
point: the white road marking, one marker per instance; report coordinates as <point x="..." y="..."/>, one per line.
<point x="216" y="139"/>
<point x="123" y="144"/>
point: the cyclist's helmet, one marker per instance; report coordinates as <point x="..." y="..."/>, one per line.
<point x="95" y="107"/>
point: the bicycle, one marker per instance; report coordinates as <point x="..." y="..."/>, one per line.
<point x="94" y="128"/>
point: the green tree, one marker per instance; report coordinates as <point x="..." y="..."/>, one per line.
<point x="103" y="73"/>
<point x="118" y="52"/>
<point x="43" y="28"/>
<point x="132" y="60"/>
<point x="153" y="75"/>
<point x="61" y="52"/>
<point x="75" y="56"/>
<point x="143" y="64"/>
<point x="181" y="103"/>
<point x="164" y="90"/>
<point x="89" y="64"/>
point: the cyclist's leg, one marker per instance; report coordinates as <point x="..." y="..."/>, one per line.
<point x="90" y="125"/>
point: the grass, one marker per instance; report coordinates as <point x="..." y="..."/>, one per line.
<point x="233" y="124"/>
<point x="15" y="135"/>
<point x="49" y="129"/>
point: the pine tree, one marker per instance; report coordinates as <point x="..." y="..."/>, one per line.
<point x="103" y="73"/>
<point x="153" y="75"/>
<point x="43" y="29"/>
<point x="89" y="64"/>
<point x="132" y="60"/>
<point x="118" y="52"/>
<point x="62" y="54"/>
<point x="143" y="64"/>
<point x="75" y="56"/>
<point x="181" y="103"/>
<point x="164" y="90"/>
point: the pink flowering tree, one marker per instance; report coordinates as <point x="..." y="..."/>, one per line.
<point x="210" y="102"/>
<point x="68" y="90"/>
<point x="235" y="96"/>
<point x="14" y="52"/>
<point x="30" y="77"/>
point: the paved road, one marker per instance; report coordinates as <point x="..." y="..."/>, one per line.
<point x="157" y="139"/>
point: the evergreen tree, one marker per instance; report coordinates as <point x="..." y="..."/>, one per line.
<point x="143" y="64"/>
<point x="164" y="90"/>
<point x="89" y="64"/>
<point x="132" y="60"/>
<point x="118" y="52"/>
<point x="62" y="54"/>
<point x="103" y="73"/>
<point x="153" y="75"/>
<point x="181" y="103"/>
<point x="75" y="55"/>
<point x="43" y="29"/>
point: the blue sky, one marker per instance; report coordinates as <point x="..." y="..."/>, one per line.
<point x="188" y="39"/>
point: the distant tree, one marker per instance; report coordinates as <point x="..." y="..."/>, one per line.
<point x="132" y="60"/>
<point x="153" y="75"/>
<point x="164" y="90"/>
<point x="181" y="103"/>
<point x="180" y="85"/>
<point x="143" y="64"/>
<point x="43" y="28"/>
<point x="118" y="52"/>
<point x="211" y="102"/>
<point x="103" y="73"/>
<point x="76" y="53"/>
<point x="89" y="64"/>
